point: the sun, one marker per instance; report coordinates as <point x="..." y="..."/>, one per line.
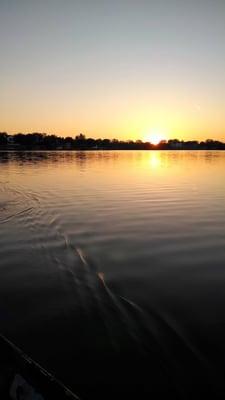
<point x="155" y="137"/>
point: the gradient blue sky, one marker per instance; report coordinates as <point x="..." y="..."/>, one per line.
<point x="125" y="69"/>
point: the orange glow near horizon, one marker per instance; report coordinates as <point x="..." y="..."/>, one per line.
<point x="151" y="120"/>
<point x="133" y="124"/>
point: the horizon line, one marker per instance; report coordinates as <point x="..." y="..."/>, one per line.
<point x="112" y="138"/>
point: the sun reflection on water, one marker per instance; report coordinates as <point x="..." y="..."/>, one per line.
<point x="155" y="160"/>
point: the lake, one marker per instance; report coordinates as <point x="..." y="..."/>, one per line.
<point x="112" y="268"/>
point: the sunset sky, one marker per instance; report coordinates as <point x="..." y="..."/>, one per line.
<point x="119" y="68"/>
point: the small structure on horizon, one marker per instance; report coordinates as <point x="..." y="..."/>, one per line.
<point x="10" y="139"/>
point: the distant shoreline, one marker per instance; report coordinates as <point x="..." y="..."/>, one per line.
<point x="21" y="150"/>
<point x="42" y="142"/>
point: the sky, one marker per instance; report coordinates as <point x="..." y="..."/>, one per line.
<point x="116" y="69"/>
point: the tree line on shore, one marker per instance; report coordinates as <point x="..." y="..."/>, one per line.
<point x="42" y="141"/>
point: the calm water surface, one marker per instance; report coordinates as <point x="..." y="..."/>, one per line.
<point x="113" y="266"/>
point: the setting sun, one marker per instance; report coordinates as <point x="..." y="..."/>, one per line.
<point x="155" y="137"/>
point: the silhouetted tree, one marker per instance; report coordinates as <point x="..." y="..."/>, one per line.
<point x="3" y="138"/>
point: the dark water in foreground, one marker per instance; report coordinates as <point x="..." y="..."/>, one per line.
<point x="112" y="268"/>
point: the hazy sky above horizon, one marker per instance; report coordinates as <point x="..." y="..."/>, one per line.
<point x="120" y="68"/>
